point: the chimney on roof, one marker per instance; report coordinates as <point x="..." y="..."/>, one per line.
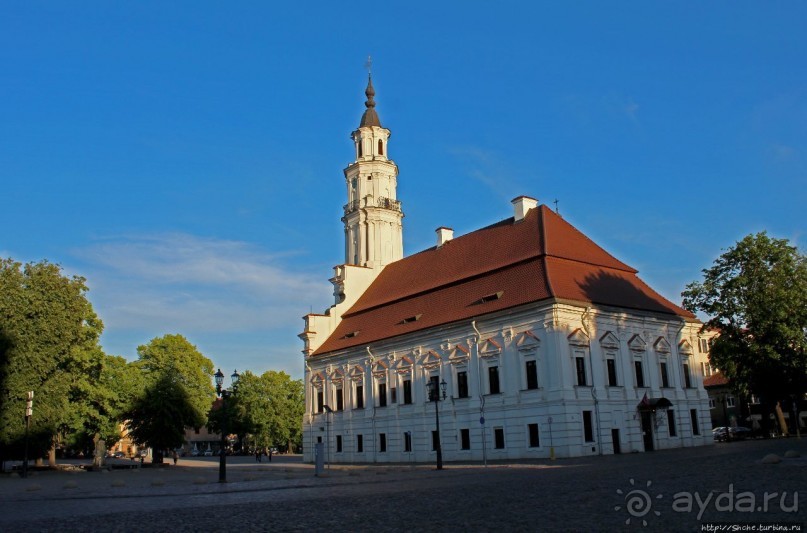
<point x="521" y="205"/>
<point x="444" y="235"/>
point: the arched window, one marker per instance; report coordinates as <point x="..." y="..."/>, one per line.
<point x="380" y="147"/>
<point x="360" y="148"/>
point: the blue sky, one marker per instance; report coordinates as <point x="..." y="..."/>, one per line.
<point x="186" y="157"/>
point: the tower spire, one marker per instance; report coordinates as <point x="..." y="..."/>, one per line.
<point x="373" y="229"/>
<point x="370" y="116"/>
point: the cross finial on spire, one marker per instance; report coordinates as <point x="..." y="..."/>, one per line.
<point x="369" y="65"/>
<point x="556" y="206"/>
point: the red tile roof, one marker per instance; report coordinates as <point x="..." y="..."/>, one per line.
<point x="715" y="380"/>
<point x="535" y="259"/>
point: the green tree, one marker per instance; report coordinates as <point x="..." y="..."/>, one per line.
<point x="159" y="416"/>
<point x="49" y="336"/>
<point x="266" y="410"/>
<point x="173" y="359"/>
<point x="755" y="296"/>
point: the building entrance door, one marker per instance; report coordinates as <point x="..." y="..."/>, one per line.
<point x="647" y="430"/>
<point x="615" y="440"/>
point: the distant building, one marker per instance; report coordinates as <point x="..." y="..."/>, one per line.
<point x="545" y="341"/>
<point x="728" y="408"/>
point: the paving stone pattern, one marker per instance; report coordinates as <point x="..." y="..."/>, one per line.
<point x="584" y="494"/>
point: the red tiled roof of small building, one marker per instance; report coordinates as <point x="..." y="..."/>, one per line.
<point x="501" y="266"/>
<point x="715" y="380"/>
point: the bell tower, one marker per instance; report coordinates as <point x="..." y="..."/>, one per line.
<point x="373" y="216"/>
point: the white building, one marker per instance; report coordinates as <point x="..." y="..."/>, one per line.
<point x="544" y="339"/>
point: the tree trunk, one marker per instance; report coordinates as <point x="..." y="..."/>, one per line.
<point x="781" y="417"/>
<point x="52" y="454"/>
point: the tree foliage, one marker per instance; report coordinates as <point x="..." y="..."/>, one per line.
<point x="49" y="337"/>
<point x="170" y="366"/>
<point x="755" y="296"/>
<point x="159" y="416"/>
<point x="265" y="410"/>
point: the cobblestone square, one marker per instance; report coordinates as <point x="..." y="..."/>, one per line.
<point x="622" y="492"/>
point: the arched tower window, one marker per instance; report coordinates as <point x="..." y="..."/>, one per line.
<point x="380" y="147"/>
<point x="361" y="144"/>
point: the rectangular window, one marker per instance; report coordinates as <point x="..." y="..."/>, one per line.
<point x="687" y="380"/>
<point x="580" y="364"/>
<point x="407" y="441"/>
<point x="359" y="397"/>
<point x="711" y="403"/>
<point x="359" y="443"/>
<point x="671" y="422"/>
<point x="382" y="442"/>
<point x="730" y="401"/>
<point x="498" y="437"/>
<point x="637" y="365"/>
<point x="704" y="346"/>
<point x="382" y="394"/>
<point x="339" y="444"/>
<point x="340" y="400"/>
<point x="462" y="384"/>
<point x="531" y="368"/>
<point x="493" y="380"/>
<point x="320" y="401"/>
<point x="435" y="440"/>
<point x="465" y="439"/>
<point x="588" y="428"/>
<point x="533" y="431"/>
<point x="393" y="392"/>
<point x="611" y="363"/>
<point x="693" y="415"/>
<point x="665" y="379"/>
<point x="433" y="388"/>
<point x="407" y="391"/>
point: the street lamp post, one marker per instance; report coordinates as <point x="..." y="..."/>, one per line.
<point x="434" y="396"/>
<point x="29" y="411"/>
<point x="224" y="394"/>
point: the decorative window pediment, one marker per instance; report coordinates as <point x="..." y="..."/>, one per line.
<point x="380" y="369"/>
<point x="356" y="373"/>
<point x="458" y="354"/>
<point x="637" y="344"/>
<point x="489" y="348"/>
<point x="578" y="337"/>
<point x="337" y="376"/>
<point x="317" y="380"/>
<point x="404" y="365"/>
<point x="684" y="348"/>
<point x="431" y="360"/>
<point x="661" y="345"/>
<point x="527" y="342"/>
<point x="609" y="341"/>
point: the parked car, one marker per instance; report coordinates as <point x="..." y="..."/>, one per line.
<point x="740" y="432"/>
<point x="208" y="453"/>
<point x="723" y="433"/>
<point x="719" y="433"/>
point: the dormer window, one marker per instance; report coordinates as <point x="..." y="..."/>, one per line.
<point x="490" y="298"/>
<point x="414" y="318"/>
<point x="351" y="334"/>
